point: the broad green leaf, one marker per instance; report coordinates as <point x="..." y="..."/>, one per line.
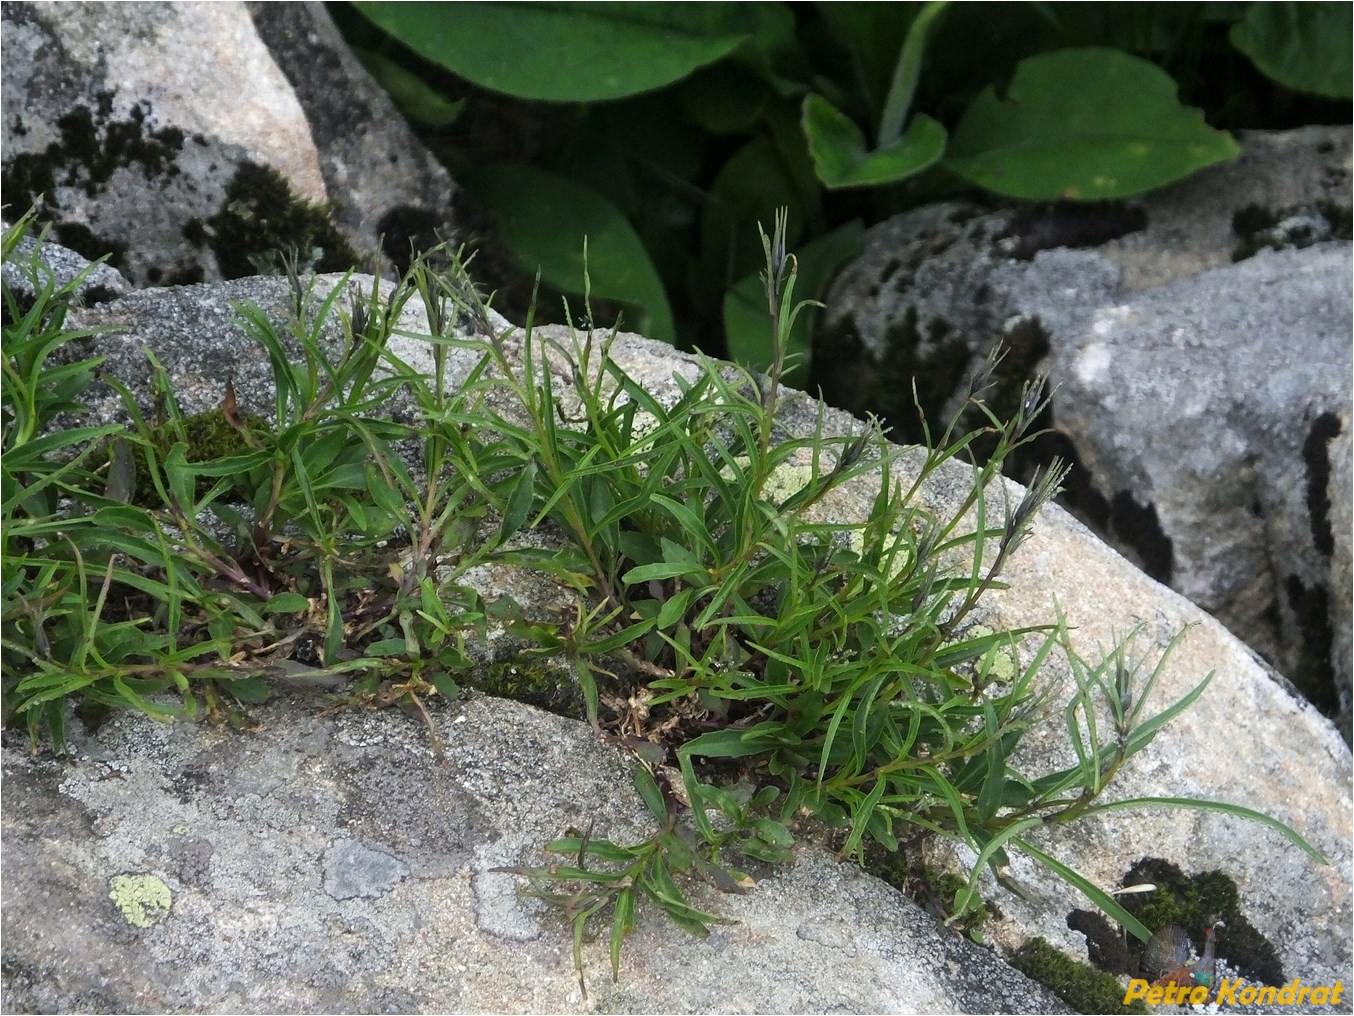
<point x="724" y="99"/>
<point x="731" y="743"/>
<point x="388" y="647"/>
<point x="841" y="160"/>
<point x="1302" y="46"/>
<point x="747" y="327"/>
<point x="446" y="687"/>
<point x="674" y="608"/>
<point x="1083" y="124"/>
<point x="416" y="99"/>
<point x="253" y="690"/>
<point x="567" y="52"/>
<point x="756" y="180"/>
<point x="545" y="219"/>
<point x="285" y="603"/>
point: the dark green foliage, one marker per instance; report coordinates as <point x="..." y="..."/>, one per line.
<point x="684" y="126"/>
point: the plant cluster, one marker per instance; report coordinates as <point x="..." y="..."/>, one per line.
<point x="767" y="658"/>
<point x="664" y="131"/>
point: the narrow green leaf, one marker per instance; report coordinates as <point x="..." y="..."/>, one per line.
<point x="992" y="848"/>
<point x="861" y="816"/>
<point x="1202" y="804"/>
<point x="994" y="754"/>
<point x="623" y="922"/>
<point x="657" y="570"/>
<point x="1089" y="889"/>
<point x="520" y="503"/>
<point x="653" y="797"/>
<point x="905" y="75"/>
<point x="746" y="326"/>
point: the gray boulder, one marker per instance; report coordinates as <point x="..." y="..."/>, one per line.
<point x="331" y="864"/>
<point x="381" y="858"/>
<point x="1177" y="444"/>
<point x="169" y="135"/>
<point x="1212" y="403"/>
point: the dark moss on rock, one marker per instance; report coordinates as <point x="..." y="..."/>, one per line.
<point x="1194" y="902"/>
<point x="1069" y="224"/>
<point x="1314" y="672"/>
<point x="1292" y="227"/>
<point x="532" y="682"/>
<point x="262" y="216"/>
<point x="93" y="145"/>
<point x="1080" y="985"/>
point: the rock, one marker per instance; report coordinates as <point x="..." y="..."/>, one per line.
<point x="1287" y="189"/>
<point x="331" y="859"/>
<point x="1211" y="403"/>
<point x="113" y="115"/>
<point x="385" y="185"/>
<point x="937" y="288"/>
<point x="330" y="864"/>
<point x="100" y="285"/>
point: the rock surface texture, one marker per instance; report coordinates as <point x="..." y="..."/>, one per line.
<point x="331" y="859"/>
<point x="332" y="865"/>
<point x="114" y="114"/>
<point x="1198" y="344"/>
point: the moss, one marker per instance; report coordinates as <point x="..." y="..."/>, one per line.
<point x="209" y="436"/>
<point x="260" y="216"/>
<point x="1313" y="673"/>
<point x="935" y="359"/>
<point x="933" y="891"/>
<point x="1080" y="985"/>
<point x="1193" y="902"/>
<point x="533" y="682"/>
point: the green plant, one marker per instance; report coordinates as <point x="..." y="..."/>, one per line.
<point x="664" y="132"/>
<point x="792" y="661"/>
<point x="169" y="555"/>
<point x="768" y="654"/>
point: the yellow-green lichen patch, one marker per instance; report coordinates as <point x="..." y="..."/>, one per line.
<point x="143" y="899"/>
<point x="998" y="664"/>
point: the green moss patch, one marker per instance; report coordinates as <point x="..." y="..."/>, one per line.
<point x="1080" y="985"/>
<point x="1194" y="902"/>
